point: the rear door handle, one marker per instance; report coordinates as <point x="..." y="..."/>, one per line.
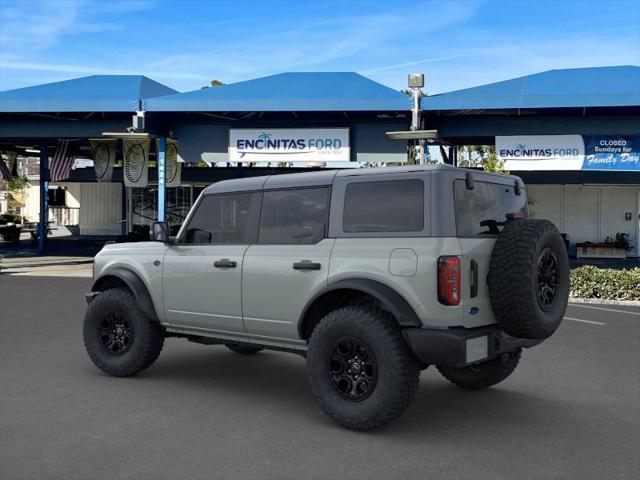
<point x="474" y="279"/>
<point x="224" y="263"/>
<point x="306" y="265"/>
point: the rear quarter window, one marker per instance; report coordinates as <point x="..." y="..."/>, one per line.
<point x="483" y="210"/>
<point x="384" y="206"/>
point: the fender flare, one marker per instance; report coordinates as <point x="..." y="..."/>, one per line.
<point x="387" y="296"/>
<point x="135" y="284"/>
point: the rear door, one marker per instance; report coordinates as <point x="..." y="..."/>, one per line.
<point x="202" y="272"/>
<point x="480" y="213"/>
<point x="289" y="263"/>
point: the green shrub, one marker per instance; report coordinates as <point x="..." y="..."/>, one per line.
<point x="588" y="281"/>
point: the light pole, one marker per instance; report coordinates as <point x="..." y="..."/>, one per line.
<point x="416" y="83"/>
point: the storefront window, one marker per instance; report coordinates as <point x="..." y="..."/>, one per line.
<point x="144" y="208"/>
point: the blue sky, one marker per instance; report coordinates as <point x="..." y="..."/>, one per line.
<point x="184" y="44"/>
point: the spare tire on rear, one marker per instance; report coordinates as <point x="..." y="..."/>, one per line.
<point x="529" y="278"/>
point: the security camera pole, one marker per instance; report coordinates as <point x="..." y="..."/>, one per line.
<point x="416" y="83"/>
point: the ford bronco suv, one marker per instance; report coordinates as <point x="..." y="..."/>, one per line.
<point x="371" y="274"/>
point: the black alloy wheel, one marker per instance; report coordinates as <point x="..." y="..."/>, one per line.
<point x="353" y="369"/>
<point x="116" y="333"/>
<point x="119" y="337"/>
<point x="547" y="278"/>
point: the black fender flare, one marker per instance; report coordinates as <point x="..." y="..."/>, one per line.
<point x="389" y="299"/>
<point x="135" y="284"/>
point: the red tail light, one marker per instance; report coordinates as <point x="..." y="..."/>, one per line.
<point x="449" y="280"/>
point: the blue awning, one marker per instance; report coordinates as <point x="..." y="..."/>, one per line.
<point x="577" y="87"/>
<point x="288" y="92"/>
<point x="96" y="93"/>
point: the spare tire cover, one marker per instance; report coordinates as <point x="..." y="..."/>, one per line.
<point x="529" y="278"/>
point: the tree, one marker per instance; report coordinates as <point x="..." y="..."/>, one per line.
<point x="213" y="83"/>
<point x="15" y="194"/>
<point x="474" y="156"/>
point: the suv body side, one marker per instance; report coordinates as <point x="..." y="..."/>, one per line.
<point x="271" y="294"/>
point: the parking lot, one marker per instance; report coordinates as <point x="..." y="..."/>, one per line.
<point x="571" y="410"/>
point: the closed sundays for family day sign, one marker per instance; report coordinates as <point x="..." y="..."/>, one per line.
<point x="289" y="145"/>
<point x="569" y="152"/>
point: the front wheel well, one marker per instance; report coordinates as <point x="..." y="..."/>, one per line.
<point x="123" y="278"/>
<point x="107" y="282"/>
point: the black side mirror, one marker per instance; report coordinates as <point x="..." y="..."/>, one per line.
<point x="160" y="232"/>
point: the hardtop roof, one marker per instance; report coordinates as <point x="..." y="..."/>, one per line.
<point x="318" y="178"/>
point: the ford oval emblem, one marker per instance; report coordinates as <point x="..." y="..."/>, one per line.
<point x="474" y="310"/>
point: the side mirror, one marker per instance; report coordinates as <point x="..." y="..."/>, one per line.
<point x="160" y="232"/>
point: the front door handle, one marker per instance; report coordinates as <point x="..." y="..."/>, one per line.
<point x="306" y="265"/>
<point x="225" y="263"/>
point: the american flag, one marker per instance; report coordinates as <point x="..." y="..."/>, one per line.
<point x="62" y="161"/>
<point x="4" y="170"/>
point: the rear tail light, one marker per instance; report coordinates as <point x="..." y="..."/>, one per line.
<point x="449" y="280"/>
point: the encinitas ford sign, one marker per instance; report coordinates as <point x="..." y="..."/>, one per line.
<point x="541" y="152"/>
<point x="569" y="152"/>
<point x="289" y="145"/>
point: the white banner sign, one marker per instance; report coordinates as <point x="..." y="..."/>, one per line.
<point x="136" y="162"/>
<point x="541" y="152"/>
<point x="289" y="145"/>
<point x="104" y="157"/>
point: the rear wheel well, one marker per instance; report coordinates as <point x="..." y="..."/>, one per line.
<point x="330" y="301"/>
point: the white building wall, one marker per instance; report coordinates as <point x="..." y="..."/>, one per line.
<point x="588" y="213"/>
<point x="100" y="208"/>
<point x="31" y="208"/>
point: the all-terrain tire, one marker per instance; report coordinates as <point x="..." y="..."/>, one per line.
<point x="483" y="375"/>
<point x="396" y="369"/>
<point x="116" y="309"/>
<point x="528" y="258"/>
<point x="243" y="349"/>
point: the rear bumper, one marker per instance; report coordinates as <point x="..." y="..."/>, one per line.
<point x="461" y="347"/>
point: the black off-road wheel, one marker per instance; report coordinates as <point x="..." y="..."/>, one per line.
<point x="361" y="371"/>
<point x="483" y="375"/>
<point x="118" y="337"/>
<point x="529" y="278"/>
<point x="243" y="349"/>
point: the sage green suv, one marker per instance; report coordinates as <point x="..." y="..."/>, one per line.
<point x="371" y="274"/>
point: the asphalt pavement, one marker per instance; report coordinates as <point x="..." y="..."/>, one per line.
<point x="570" y="411"/>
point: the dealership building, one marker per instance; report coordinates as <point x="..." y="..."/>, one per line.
<point x="573" y="135"/>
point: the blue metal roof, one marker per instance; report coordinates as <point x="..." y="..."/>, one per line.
<point x="577" y="87"/>
<point x="299" y="92"/>
<point x="96" y="93"/>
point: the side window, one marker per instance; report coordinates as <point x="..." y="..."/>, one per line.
<point x="384" y="206"/>
<point x="223" y="219"/>
<point x="294" y="216"/>
<point x="483" y="210"/>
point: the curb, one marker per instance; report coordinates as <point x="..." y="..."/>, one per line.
<point x="603" y="301"/>
<point x="8" y="266"/>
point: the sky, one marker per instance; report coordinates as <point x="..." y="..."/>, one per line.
<point x="185" y="44"/>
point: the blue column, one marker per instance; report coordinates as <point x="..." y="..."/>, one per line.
<point x="162" y="182"/>
<point x="44" y="199"/>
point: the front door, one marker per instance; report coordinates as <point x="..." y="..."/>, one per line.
<point x="289" y="263"/>
<point x="202" y="271"/>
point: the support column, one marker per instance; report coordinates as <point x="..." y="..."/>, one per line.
<point x="162" y="179"/>
<point x="44" y="199"/>
<point x="123" y="209"/>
